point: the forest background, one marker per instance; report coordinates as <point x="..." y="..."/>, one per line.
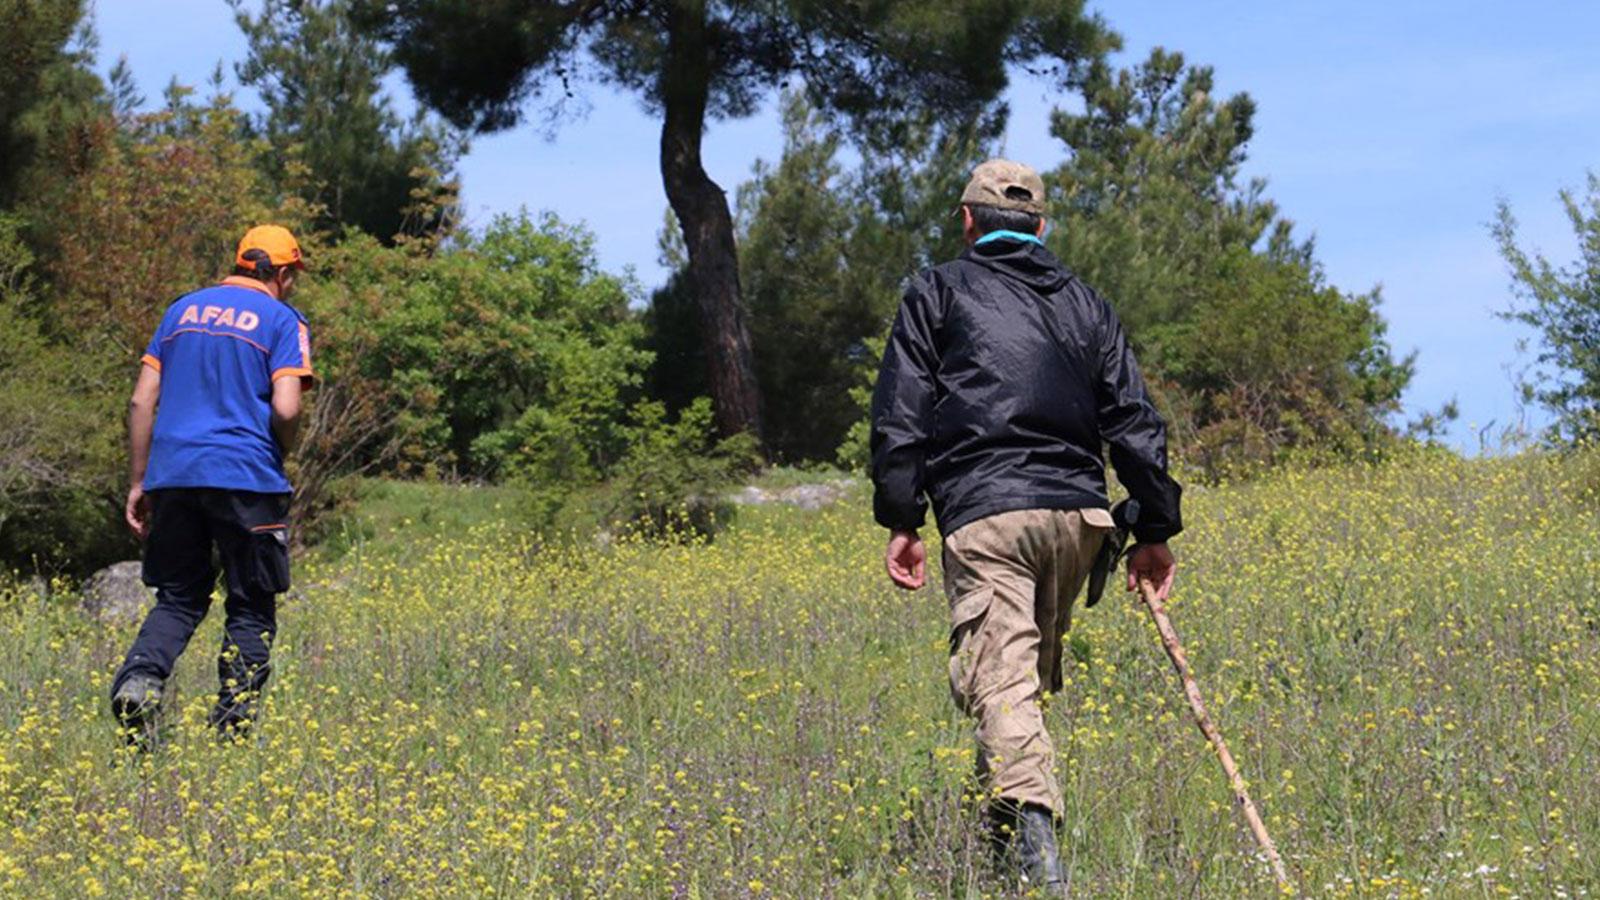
<point x="502" y="351"/>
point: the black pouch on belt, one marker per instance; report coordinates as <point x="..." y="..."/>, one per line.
<point x="1123" y="516"/>
<point x="269" y="560"/>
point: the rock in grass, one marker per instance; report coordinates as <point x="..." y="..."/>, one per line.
<point x="816" y="496"/>
<point x="802" y="496"/>
<point x="117" y="594"/>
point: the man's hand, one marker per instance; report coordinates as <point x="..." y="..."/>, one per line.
<point x="1153" y="563"/>
<point x="906" y="560"/>
<point x="137" y="512"/>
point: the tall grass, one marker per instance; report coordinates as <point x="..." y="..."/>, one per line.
<point x="1403" y="659"/>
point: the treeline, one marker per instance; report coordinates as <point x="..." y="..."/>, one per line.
<point x="504" y="353"/>
<point x="1251" y="354"/>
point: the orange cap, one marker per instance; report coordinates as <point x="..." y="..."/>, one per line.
<point x="275" y="241"/>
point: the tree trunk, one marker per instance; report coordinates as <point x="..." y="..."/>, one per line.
<point x="702" y="210"/>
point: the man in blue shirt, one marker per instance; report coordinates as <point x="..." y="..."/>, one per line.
<point x="216" y="407"/>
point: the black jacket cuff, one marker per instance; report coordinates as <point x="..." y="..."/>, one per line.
<point x="897" y="518"/>
<point x="1156" y="534"/>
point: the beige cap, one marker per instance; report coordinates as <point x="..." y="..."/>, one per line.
<point x="1007" y="185"/>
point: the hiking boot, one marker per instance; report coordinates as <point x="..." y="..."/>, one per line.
<point x="1023" y="841"/>
<point x="1035" y="851"/>
<point x="999" y="830"/>
<point x="136" y="704"/>
<point x="233" y="717"/>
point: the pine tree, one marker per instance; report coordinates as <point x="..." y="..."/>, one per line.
<point x="1252" y="353"/>
<point x="336" y="135"/>
<point x="694" y="61"/>
<point x="47" y="88"/>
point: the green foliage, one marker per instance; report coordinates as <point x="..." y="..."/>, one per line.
<point x="912" y="171"/>
<point x="855" y="451"/>
<point x="672" y="481"/>
<point x="480" y="64"/>
<point x="381" y="520"/>
<point x="57" y="479"/>
<point x="1149" y="196"/>
<point x="869" y="64"/>
<point x="1562" y="304"/>
<point x="823" y="255"/>
<point x="810" y="288"/>
<point x="672" y="335"/>
<point x="155" y="211"/>
<point x="1251" y="354"/>
<point x="334" y="134"/>
<point x="1274" y="359"/>
<point x="45" y="84"/>
<point x="507" y="354"/>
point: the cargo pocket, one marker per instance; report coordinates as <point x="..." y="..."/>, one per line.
<point x="268" y="570"/>
<point x="967" y="618"/>
<point x="1098" y="518"/>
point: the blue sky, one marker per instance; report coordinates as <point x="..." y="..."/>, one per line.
<point x="1386" y="130"/>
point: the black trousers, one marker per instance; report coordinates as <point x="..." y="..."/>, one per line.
<point x="250" y="535"/>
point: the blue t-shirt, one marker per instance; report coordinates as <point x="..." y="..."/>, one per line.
<point x="218" y="351"/>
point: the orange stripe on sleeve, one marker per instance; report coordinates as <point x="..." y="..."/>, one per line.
<point x="151" y="361"/>
<point x="306" y="376"/>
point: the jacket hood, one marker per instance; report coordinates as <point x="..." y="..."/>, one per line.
<point x="1025" y="261"/>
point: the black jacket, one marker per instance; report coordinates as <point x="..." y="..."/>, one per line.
<point x="1003" y="377"/>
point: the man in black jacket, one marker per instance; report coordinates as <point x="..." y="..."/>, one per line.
<point x="1004" y="379"/>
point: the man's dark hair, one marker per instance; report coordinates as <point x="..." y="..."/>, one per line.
<point x="992" y="218"/>
<point x="261" y="269"/>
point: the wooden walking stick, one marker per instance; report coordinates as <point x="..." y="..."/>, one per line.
<point x="1169" y="640"/>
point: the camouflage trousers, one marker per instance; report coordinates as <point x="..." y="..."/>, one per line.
<point x="1011" y="579"/>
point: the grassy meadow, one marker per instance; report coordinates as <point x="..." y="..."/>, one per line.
<point x="1403" y="659"/>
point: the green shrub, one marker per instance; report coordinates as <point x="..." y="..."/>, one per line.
<point x="506" y="355"/>
<point x="855" y="451"/>
<point x="60" y="472"/>
<point x="1562" y="304"/>
<point x="672" y="482"/>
